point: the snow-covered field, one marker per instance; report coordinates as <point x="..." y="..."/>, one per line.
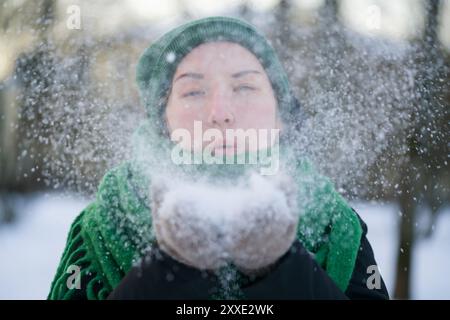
<point x="431" y="259"/>
<point x="30" y="248"/>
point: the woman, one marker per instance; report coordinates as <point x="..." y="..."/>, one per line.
<point x="300" y="241"/>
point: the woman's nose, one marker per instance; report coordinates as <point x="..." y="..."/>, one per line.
<point x="220" y="113"/>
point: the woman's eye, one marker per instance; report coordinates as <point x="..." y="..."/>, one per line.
<point x="193" y="93"/>
<point x="244" y="88"/>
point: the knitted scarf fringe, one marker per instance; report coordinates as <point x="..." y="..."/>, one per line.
<point x="77" y="254"/>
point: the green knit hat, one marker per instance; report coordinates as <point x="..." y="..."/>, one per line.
<point x="158" y="63"/>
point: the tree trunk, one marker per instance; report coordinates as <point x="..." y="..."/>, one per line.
<point x="416" y="162"/>
<point x="406" y="236"/>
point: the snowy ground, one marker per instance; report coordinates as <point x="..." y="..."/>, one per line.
<point x="30" y="249"/>
<point x="431" y="259"/>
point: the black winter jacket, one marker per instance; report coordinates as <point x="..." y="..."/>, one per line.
<point x="295" y="276"/>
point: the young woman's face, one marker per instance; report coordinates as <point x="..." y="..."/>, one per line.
<point x="224" y="86"/>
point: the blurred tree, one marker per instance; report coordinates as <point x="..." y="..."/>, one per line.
<point x="21" y="153"/>
<point x="35" y="73"/>
<point x="424" y="174"/>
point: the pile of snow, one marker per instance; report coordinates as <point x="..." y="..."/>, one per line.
<point x="209" y="220"/>
<point x="222" y="204"/>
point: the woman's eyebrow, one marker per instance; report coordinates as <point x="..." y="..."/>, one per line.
<point x="190" y="75"/>
<point x="244" y="72"/>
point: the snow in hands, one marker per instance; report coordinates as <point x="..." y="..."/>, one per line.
<point x="208" y="226"/>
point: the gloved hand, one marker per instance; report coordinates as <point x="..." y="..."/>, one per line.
<point x="189" y="236"/>
<point x="253" y="232"/>
<point x="266" y="228"/>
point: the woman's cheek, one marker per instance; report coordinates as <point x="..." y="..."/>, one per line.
<point x="261" y="115"/>
<point x="188" y="113"/>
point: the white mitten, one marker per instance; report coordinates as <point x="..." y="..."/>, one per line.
<point x="266" y="226"/>
<point x="183" y="230"/>
<point x="206" y="227"/>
